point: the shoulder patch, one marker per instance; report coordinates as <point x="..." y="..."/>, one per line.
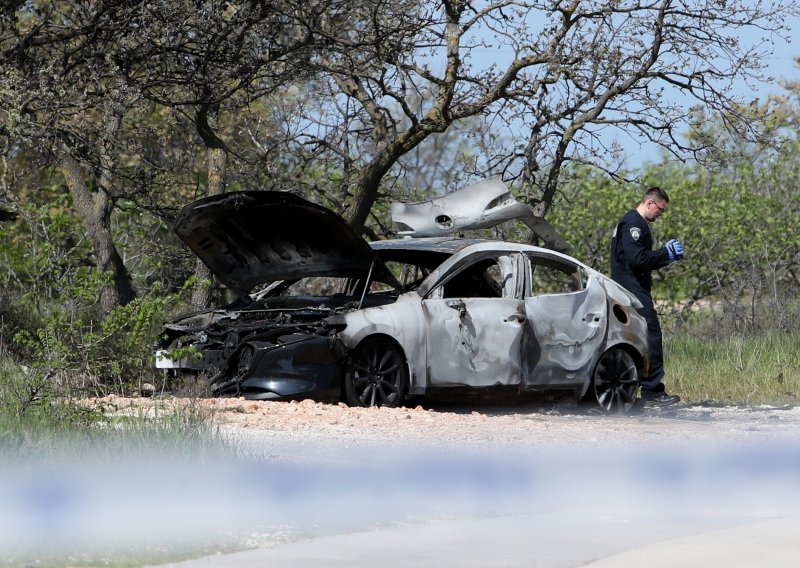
<point x="636" y="232"/>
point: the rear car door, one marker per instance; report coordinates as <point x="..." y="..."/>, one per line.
<point x="566" y="322"/>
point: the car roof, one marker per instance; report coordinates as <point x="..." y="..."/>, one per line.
<point x="448" y="245"/>
<point x="452" y="245"/>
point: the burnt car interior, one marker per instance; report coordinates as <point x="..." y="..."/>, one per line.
<point x="328" y="292"/>
<point x="348" y="292"/>
<point x="484" y="279"/>
<point x="411" y="267"/>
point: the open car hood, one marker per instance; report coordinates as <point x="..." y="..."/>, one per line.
<point x="251" y="237"/>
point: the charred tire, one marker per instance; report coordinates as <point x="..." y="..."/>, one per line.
<point x="377" y="374"/>
<point x="614" y="382"/>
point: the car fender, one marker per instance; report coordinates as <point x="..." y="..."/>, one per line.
<point x="628" y="329"/>
<point x="401" y="321"/>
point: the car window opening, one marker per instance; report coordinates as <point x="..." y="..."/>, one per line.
<point x="483" y="279"/>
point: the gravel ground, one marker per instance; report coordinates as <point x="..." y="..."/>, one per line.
<point x="459" y="484"/>
<point x="558" y="473"/>
<point x="524" y="423"/>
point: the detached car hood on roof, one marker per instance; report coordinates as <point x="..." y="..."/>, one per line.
<point x="486" y="203"/>
<point x="251" y="237"/>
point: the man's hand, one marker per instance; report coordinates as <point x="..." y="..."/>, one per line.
<point x="674" y="249"/>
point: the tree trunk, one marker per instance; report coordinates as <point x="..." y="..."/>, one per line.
<point x="94" y="210"/>
<point x="217" y="165"/>
<point x="365" y="191"/>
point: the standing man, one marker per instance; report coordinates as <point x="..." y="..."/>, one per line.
<point x="632" y="262"/>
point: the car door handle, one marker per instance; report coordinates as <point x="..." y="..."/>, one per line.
<point x="591" y="318"/>
<point x="515" y="318"/>
<point x="455" y="304"/>
<point x="458" y="306"/>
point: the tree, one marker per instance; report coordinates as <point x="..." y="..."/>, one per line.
<point x="559" y="74"/>
<point x="61" y="100"/>
<point x="210" y="60"/>
<point x="376" y="81"/>
<point x="78" y="78"/>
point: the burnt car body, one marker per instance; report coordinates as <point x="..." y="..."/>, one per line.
<point x="375" y="323"/>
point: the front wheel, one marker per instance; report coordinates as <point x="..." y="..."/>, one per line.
<point x="615" y="382"/>
<point x="377" y="374"/>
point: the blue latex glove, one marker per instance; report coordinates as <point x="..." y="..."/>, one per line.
<point x="674" y="249"/>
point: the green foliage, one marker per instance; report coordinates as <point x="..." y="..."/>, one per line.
<point x="28" y="406"/>
<point x="738" y="369"/>
<point x="738" y="227"/>
<point x="589" y="208"/>
<point x="78" y="350"/>
<point x="738" y="230"/>
<point x="38" y="421"/>
<point x="153" y="254"/>
<point x="50" y="288"/>
<point x="14" y="318"/>
<point x="43" y="253"/>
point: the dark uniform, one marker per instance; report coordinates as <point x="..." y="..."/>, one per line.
<point x="632" y="262"/>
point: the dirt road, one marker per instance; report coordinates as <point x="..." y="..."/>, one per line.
<point x="468" y="485"/>
<point x="524" y="423"/>
<point x="517" y="485"/>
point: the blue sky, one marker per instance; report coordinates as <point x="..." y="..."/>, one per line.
<point x="779" y="66"/>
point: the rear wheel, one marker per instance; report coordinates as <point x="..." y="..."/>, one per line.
<point x="377" y="374"/>
<point x="615" y="381"/>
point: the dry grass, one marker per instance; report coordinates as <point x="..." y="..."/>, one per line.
<point x="754" y="370"/>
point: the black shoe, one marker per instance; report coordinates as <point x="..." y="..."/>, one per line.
<point x="661" y="400"/>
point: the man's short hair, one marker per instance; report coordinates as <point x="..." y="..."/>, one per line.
<point x="655" y="192"/>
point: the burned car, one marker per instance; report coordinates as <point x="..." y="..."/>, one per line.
<point x="323" y="314"/>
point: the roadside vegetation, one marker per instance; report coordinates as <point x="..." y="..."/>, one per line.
<point x="38" y="421"/>
<point x="756" y="369"/>
<point x="51" y="437"/>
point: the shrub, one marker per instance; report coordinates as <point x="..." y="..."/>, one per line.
<point x="77" y="350"/>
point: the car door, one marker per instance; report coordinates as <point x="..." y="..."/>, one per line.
<point x="475" y="323"/>
<point x="566" y="313"/>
